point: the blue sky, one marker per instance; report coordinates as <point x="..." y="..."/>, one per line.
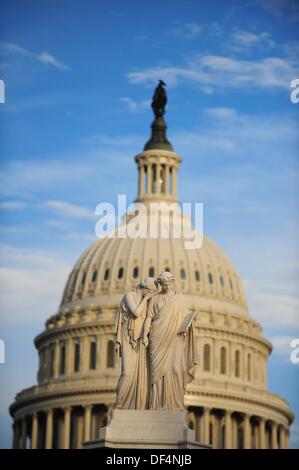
<point x="79" y="77"/>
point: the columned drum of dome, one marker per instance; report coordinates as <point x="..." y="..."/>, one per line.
<point x="228" y="403"/>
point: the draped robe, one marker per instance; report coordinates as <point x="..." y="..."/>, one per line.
<point x="172" y="356"/>
<point x="132" y="389"/>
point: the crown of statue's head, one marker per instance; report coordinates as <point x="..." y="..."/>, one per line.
<point x="166" y="278"/>
<point x="149" y="284"/>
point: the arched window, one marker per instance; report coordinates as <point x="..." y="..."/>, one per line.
<point x="94" y="276"/>
<point x="106" y="274"/>
<point x="249" y="366"/>
<point x="223" y="360"/>
<point x="197" y="275"/>
<point x="93" y="355"/>
<point x="77" y="357"/>
<point x="110" y="354"/>
<point x="207" y="358"/>
<point x="183" y="273"/>
<point x="237" y="363"/>
<point x="230" y="283"/>
<point x="221" y="281"/>
<point x="167" y="269"/>
<point x="135" y="272"/>
<point x="62" y="359"/>
<point x="83" y="279"/>
<point x="151" y="271"/>
<point x="120" y="273"/>
<point x="210" y="278"/>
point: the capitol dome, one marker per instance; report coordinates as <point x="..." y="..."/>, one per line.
<point x="228" y="403"/>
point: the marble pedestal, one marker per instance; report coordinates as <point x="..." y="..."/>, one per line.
<point x="149" y="429"/>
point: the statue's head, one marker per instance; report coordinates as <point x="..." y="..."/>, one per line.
<point x="149" y="285"/>
<point x="166" y="280"/>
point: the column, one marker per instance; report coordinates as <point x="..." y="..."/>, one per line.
<point x="206" y="426"/>
<point x="16" y="435"/>
<point x="198" y="434"/>
<point x="158" y="178"/>
<point x="67" y="427"/>
<point x="49" y="429"/>
<point x="141" y="180"/>
<point x="34" y="431"/>
<point x="174" y="181"/>
<point x="56" y="359"/>
<point x="166" y="178"/>
<point x="149" y="178"/>
<point x="23" y="433"/>
<point x="87" y="422"/>
<point x="69" y="359"/>
<point x="273" y="435"/>
<point x="247" y="432"/>
<point x="262" y="434"/>
<point x="228" y="430"/>
<point x="85" y="353"/>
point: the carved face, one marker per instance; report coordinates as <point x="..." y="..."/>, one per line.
<point x="166" y="286"/>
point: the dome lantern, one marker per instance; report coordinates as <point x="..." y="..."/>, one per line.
<point x="158" y="163"/>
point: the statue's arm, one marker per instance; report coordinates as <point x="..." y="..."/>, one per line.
<point x="147" y="322"/>
<point x="134" y="309"/>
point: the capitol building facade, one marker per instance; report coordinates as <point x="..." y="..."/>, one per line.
<point x="228" y="404"/>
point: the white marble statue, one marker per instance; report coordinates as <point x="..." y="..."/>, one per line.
<point x="169" y="334"/>
<point x="133" y="384"/>
<point x="156" y="342"/>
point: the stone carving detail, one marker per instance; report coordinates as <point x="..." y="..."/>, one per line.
<point x="156" y="342"/>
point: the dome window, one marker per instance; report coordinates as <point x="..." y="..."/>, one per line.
<point x="183" y="273"/>
<point x="106" y="274"/>
<point x="77" y="357"/>
<point x="94" y="276"/>
<point x="222" y="360"/>
<point x="110" y="354"/>
<point x="135" y="272"/>
<point x="93" y="355"/>
<point x="210" y="278"/>
<point x="221" y="281"/>
<point x="231" y="284"/>
<point x="151" y="271"/>
<point x="167" y="269"/>
<point x="62" y="359"/>
<point x="207" y="358"/>
<point x="120" y="273"/>
<point x="197" y="275"/>
<point x="83" y="279"/>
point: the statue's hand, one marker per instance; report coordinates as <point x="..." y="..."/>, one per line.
<point x="118" y="349"/>
<point x="149" y="295"/>
<point x="145" y="341"/>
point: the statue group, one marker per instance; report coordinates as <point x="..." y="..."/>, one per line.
<point x="156" y="342"/>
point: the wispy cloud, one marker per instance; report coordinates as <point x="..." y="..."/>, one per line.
<point x="242" y="39"/>
<point x="213" y="72"/>
<point x="13" y="205"/>
<point x="31" y="283"/>
<point x="70" y="210"/>
<point x="7" y="48"/>
<point x="134" y="105"/>
<point x="186" y="30"/>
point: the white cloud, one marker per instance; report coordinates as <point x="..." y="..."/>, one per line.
<point x="134" y="105"/>
<point x="7" y="48"/>
<point x="221" y="113"/>
<point x="70" y="210"/>
<point x="186" y="30"/>
<point x="213" y="72"/>
<point x="282" y="345"/>
<point x="241" y="39"/>
<point x="13" y="205"/>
